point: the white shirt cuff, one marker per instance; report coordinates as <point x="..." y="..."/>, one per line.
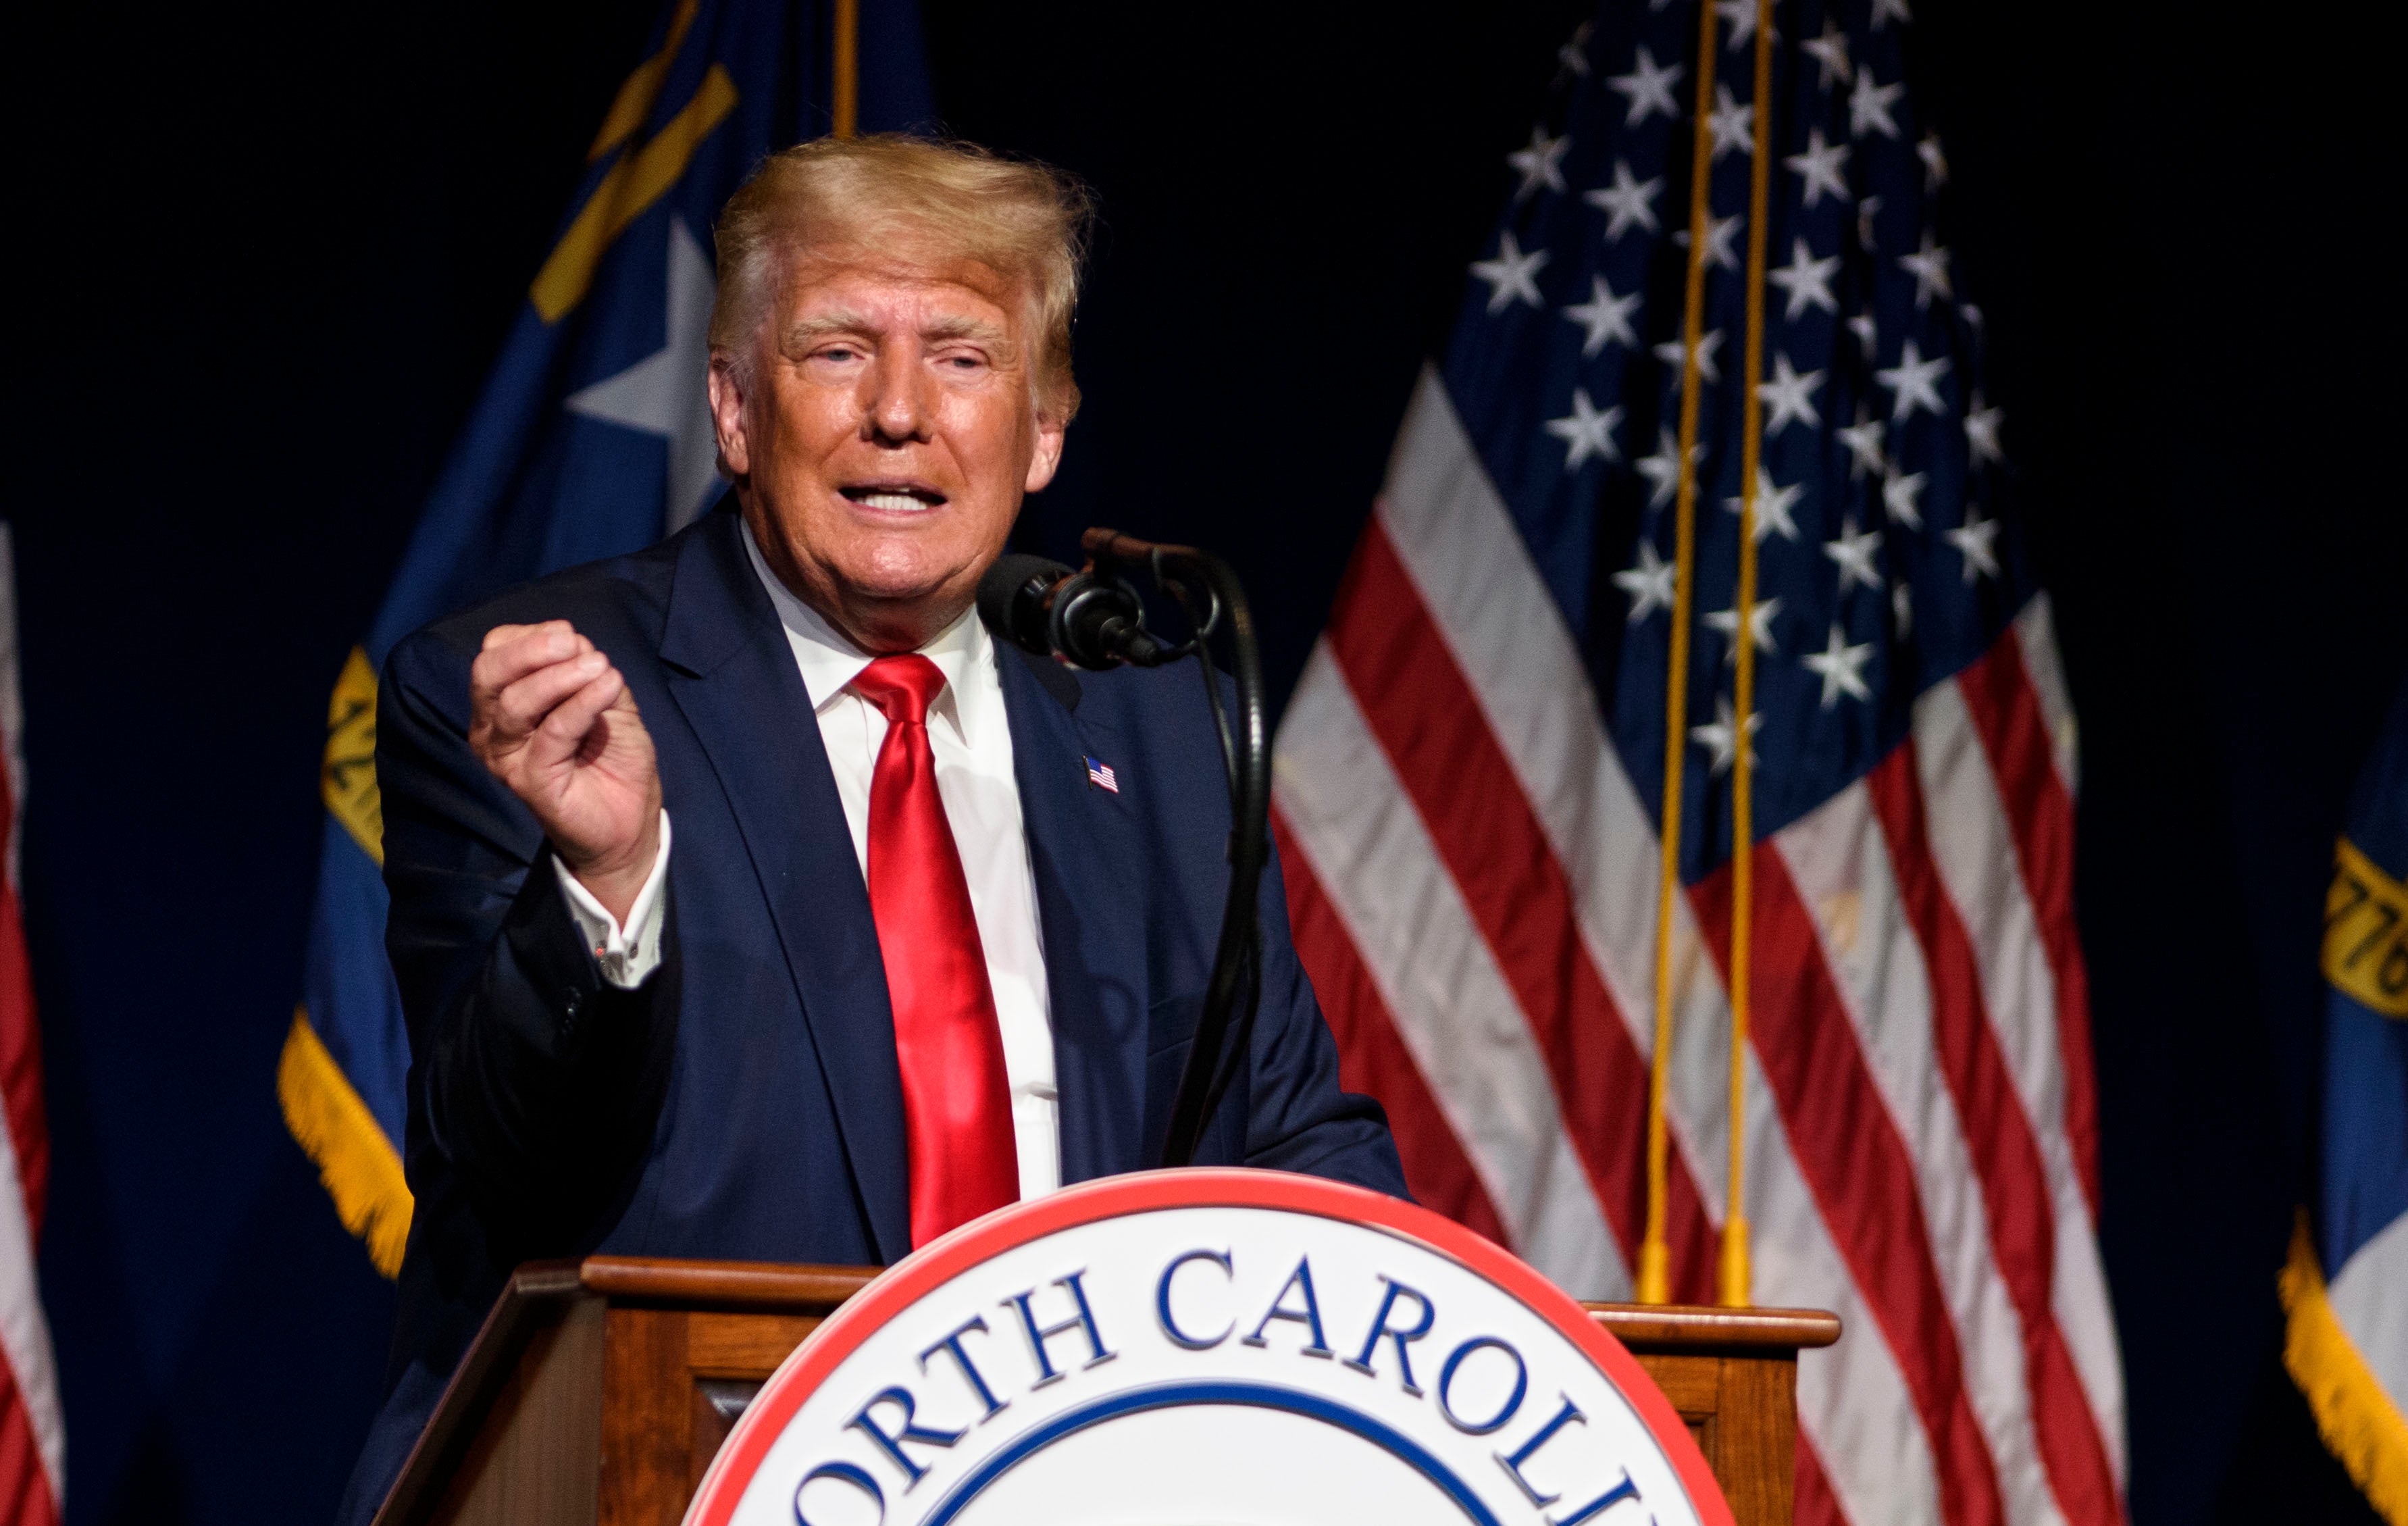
<point x="629" y="954"/>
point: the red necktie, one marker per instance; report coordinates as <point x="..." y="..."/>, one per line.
<point x="956" y="1104"/>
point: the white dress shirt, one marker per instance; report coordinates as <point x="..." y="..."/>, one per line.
<point x="971" y="735"/>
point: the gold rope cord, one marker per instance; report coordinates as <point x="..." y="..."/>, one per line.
<point x="846" y="107"/>
<point x="1735" y="1277"/>
<point x="1655" y="1255"/>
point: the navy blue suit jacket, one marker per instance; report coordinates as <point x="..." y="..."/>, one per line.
<point x="744" y="1103"/>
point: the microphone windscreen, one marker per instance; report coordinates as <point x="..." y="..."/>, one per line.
<point x="1011" y="599"/>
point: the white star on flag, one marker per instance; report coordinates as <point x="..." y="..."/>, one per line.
<point x="1740" y="15"/>
<point x="1759" y="628"/>
<point x="1975" y="540"/>
<point x="1928" y="265"/>
<point x="1541" y="164"/>
<point x="1854" y="553"/>
<point x="1720" y="230"/>
<point x="666" y="393"/>
<point x="1670" y="353"/>
<point x="1842" y="669"/>
<point x="1647" y="88"/>
<point x="1605" y="316"/>
<point x="1772" y="506"/>
<point x="1573" y="55"/>
<point x="1733" y="125"/>
<point x="1935" y="162"/>
<point x="1902" y="498"/>
<point x="1885" y="10"/>
<point x="1824" y="166"/>
<point x="1807" y="279"/>
<point x="1512" y="276"/>
<point x="1586" y="431"/>
<point x="1649" y="583"/>
<point x="1868" y="106"/>
<point x="1663" y="469"/>
<point x="1627" y="203"/>
<point x="1719" y="736"/>
<point x="1863" y="439"/>
<point x="1830" y="51"/>
<point x="1915" y="381"/>
<point x="1790" y="396"/>
<point x="1981" y="430"/>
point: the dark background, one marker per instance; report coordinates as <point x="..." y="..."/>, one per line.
<point x="270" y="251"/>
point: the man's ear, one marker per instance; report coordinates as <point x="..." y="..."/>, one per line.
<point x="1048" y="455"/>
<point x="728" y="416"/>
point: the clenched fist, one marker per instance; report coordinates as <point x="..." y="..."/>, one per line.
<point x="554" y="720"/>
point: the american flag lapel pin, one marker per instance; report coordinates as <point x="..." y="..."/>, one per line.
<point x="1100" y="774"/>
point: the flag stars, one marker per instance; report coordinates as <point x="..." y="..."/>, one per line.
<point x="1573" y="55"/>
<point x="1853" y="552"/>
<point x="1733" y="125"/>
<point x="1790" y="396"/>
<point x="1649" y="583"/>
<point x="1720" y="737"/>
<point x="1539" y="165"/>
<point x="1886" y="11"/>
<point x="1976" y="540"/>
<point x="1605" y="316"/>
<point x="1868" y="106"/>
<point x="1913" y="382"/>
<point x="1935" y="162"/>
<point x="1842" y="667"/>
<point x="1663" y="469"/>
<point x="1902" y="498"/>
<point x="1512" y="276"/>
<point x="1647" y="88"/>
<point x="1806" y="280"/>
<point x="1867" y="210"/>
<point x="1586" y="431"/>
<point x="1627" y="203"/>
<point x="1760" y="616"/>
<point x="1740" y="15"/>
<point x="1720" y="230"/>
<point x="1772" y="506"/>
<point x="1928" y="265"/>
<point x="1863" y="439"/>
<point x="1670" y="353"/>
<point x="1831" y="52"/>
<point x="1982" y="423"/>
<point x="1824" y="166"/>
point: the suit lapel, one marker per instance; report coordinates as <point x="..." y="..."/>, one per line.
<point x="1083" y="848"/>
<point x="732" y="675"/>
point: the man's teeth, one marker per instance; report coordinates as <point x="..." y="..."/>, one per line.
<point x="899" y="502"/>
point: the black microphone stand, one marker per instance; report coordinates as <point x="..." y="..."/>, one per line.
<point x="1207" y="590"/>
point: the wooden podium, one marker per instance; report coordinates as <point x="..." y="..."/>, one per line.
<point x="598" y="1390"/>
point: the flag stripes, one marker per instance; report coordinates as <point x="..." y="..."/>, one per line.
<point x="33" y="1431"/>
<point x="1468" y="865"/>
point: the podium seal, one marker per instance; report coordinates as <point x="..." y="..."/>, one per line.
<point x="1209" y="1347"/>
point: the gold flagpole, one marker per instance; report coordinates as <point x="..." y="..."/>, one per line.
<point x="1734" y="1275"/>
<point x="847" y="106"/>
<point x="1655" y="1253"/>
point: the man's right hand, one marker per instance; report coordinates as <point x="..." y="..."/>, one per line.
<point x="554" y="721"/>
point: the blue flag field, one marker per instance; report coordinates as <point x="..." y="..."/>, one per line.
<point x="591" y="439"/>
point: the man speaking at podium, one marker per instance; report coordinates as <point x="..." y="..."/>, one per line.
<point x="749" y="901"/>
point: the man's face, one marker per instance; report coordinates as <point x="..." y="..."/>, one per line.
<point x="884" y="436"/>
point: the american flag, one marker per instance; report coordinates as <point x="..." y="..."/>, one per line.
<point x="1470" y="775"/>
<point x="1101" y="774"/>
<point x="32" y="1432"/>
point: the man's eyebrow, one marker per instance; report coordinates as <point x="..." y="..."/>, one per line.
<point x="963" y="326"/>
<point x="802" y="331"/>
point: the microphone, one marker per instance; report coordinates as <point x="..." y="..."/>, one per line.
<point x="1088" y="619"/>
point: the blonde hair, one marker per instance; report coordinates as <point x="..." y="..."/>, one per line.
<point x="1026" y="221"/>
